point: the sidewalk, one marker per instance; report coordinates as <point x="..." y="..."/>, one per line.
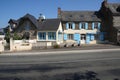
<point x="82" y="48"/>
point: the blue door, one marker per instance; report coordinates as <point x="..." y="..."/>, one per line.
<point x="77" y="37"/>
<point x="92" y="37"/>
<point x="87" y="38"/>
<point x="102" y="36"/>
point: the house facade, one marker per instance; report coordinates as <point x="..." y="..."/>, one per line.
<point x="81" y="27"/>
<point x="50" y="30"/>
<point x="110" y="16"/>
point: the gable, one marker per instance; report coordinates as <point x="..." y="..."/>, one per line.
<point x="25" y="25"/>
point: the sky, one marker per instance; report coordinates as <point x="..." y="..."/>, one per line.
<point x="17" y="8"/>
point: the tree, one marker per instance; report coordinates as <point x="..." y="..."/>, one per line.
<point x="16" y="36"/>
<point x="7" y="37"/>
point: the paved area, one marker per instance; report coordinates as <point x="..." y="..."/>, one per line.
<point x="82" y="47"/>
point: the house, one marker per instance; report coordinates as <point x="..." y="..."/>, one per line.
<point x="110" y="16"/>
<point x="50" y="30"/>
<point x="81" y="27"/>
<point x="26" y="26"/>
<point x="46" y="32"/>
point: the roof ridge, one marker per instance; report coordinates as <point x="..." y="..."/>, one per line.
<point x="79" y="11"/>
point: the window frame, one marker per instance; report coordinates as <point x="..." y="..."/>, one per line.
<point x="70" y="36"/>
<point x="42" y="35"/>
<point x="83" y="25"/>
<point x="51" y="35"/>
<point x="83" y="36"/>
<point x="70" y="25"/>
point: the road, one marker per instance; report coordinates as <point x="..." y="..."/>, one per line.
<point x="54" y="65"/>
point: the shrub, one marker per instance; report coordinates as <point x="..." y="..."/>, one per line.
<point x="56" y="46"/>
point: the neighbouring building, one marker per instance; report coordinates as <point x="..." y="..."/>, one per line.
<point x="46" y="32"/>
<point x="110" y="16"/>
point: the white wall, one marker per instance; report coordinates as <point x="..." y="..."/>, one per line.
<point x="2" y="43"/>
<point x="20" y="45"/>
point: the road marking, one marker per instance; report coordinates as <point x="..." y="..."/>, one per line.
<point x="59" y="52"/>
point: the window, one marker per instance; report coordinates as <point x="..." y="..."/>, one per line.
<point x="51" y="35"/>
<point x="42" y="35"/>
<point x="83" y="37"/>
<point x="83" y="25"/>
<point x="27" y="27"/>
<point x="70" y="36"/>
<point x="96" y="25"/>
<point x="70" y="25"/>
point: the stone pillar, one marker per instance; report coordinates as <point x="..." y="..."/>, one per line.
<point x="11" y="44"/>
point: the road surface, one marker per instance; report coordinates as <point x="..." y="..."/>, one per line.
<point x="57" y="65"/>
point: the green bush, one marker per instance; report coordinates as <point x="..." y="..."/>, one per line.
<point x="16" y="37"/>
<point x="56" y="46"/>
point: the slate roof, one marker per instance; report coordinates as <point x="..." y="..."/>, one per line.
<point x="49" y="25"/>
<point x="46" y="25"/>
<point x="114" y="8"/>
<point x="13" y="21"/>
<point x="31" y="18"/>
<point x="79" y="16"/>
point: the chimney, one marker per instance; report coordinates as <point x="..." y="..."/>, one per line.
<point x="59" y="12"/>
<point x="105" y="3"/>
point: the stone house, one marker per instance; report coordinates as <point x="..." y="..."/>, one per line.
<point x="110" y="16"/>
<point x="81" y="27"/>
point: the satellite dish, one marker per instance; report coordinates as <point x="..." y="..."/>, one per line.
<point x="42" y="16"/>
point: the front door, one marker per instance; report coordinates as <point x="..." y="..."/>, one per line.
<point x="83" y="38"/>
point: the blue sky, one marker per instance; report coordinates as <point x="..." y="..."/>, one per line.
<point x="17" y="8"/>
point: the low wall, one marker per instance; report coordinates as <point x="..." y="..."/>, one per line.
<point x="1" y="46"/>
<point x="20" y="45"/>
<point x="2" y="42"/>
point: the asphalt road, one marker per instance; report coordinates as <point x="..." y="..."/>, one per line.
<point x="60" y="65"/>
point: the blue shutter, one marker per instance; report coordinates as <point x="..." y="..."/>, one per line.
<point x="73" y="25"/>
<point x="80" y="25"/>
<point x="77" y="37"/>
<point x="87" y="38"/>
<point x="93" y="25"/>
<point x="86" y="25"/>
<point x="67" y="25"/>
<point x="99" y="26"/>
<point x="92" y="37"/>
<point x="101" y="36"/>
<point x="65" y="36"/>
